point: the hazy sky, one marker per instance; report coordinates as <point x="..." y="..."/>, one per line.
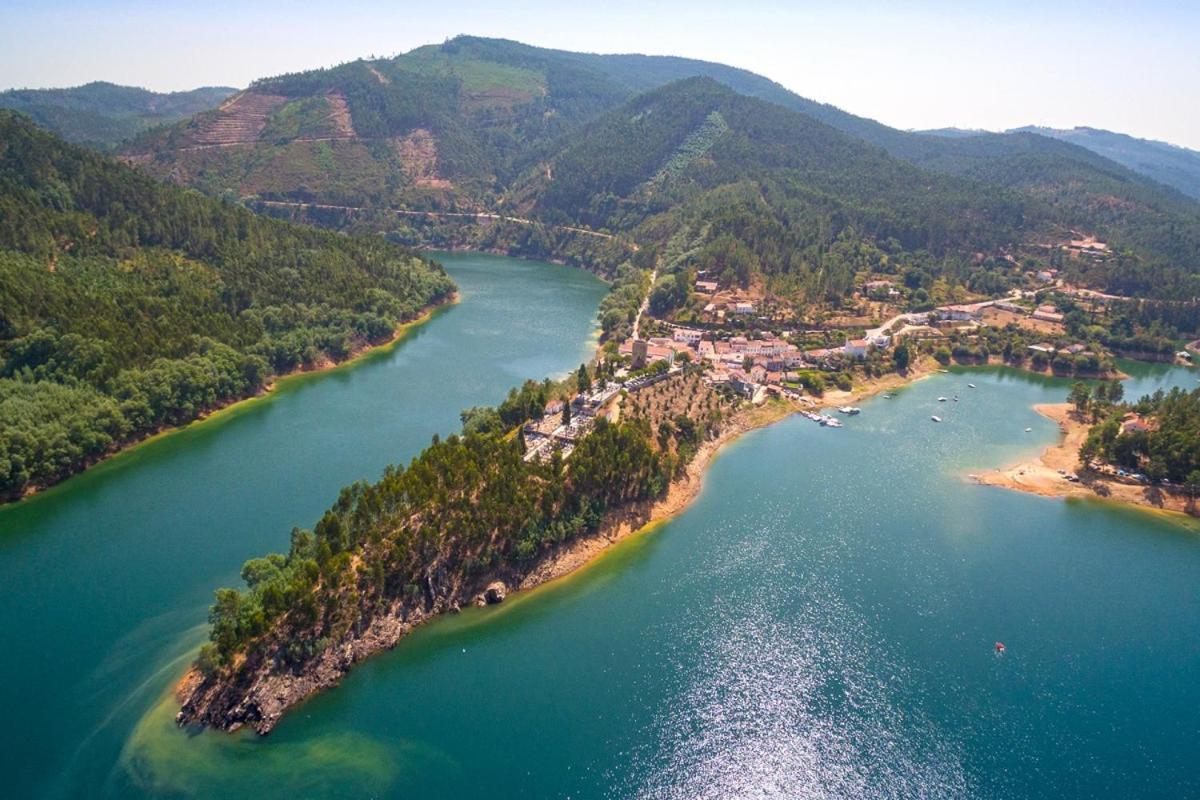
<point x="1130" y="67"/>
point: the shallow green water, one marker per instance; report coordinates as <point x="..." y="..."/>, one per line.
<point x="820" y="623"/>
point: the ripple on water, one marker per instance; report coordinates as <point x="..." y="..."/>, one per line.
<point x="799" y="706"/>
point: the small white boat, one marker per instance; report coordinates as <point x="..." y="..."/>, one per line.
<point x="936" y="418"/>
<point x="956" y="398"/>
<point x="851" y="410"/>
<point x="970" y="386"/>
<point x="1027" y="430"/>
<point x="941" y="399"/>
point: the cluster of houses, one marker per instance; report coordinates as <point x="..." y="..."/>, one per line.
<point x="549" y="434"/>
<point x="750" y="366"/>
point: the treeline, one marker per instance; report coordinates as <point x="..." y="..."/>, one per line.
<point x="1169" y="449"/>
<point x="466" y="511"/>
<point x="127" y="305"/>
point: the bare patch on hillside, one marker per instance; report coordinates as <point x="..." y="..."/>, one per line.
<point x="418" y="158"/>
<point x="239" y="120"/>
<point x="339" y="116"/>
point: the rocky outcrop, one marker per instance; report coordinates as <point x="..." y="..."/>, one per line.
<point x="495" y="592"/>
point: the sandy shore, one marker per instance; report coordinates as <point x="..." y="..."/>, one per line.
<point x="1041" y="475"/>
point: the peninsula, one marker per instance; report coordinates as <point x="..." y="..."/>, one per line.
<point x="1139" y="453"/>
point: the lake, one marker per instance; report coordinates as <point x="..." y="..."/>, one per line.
<point x="820" y="623"/>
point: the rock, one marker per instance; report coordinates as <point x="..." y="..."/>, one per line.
<point x="495" y="592"/>
<point x="455" y="608"/>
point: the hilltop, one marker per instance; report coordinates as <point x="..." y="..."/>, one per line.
<point x="498" y="127"/>
<point x="102" y="115"/>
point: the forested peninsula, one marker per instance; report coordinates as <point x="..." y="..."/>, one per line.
<point x="128" y="305"/>
<point x="471" y="517"/>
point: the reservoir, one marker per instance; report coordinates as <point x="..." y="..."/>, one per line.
<point x="105" y="580"/>
<point x="820" y="623"/>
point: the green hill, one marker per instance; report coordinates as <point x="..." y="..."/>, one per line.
<point x="492" y="125"/>
<point x="1174" y="166"/>
<point x="127" y="305"/>
<point x="102" y="114"/>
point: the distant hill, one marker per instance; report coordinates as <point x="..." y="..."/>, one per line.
<point x="487" y="124"/>
<point x="1166" y="163"/>
<point x="103" y="114"/>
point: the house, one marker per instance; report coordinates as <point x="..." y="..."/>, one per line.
<point x="972" y="311"/>
<point x="856" y="348"/>
<point x="1076" y="349"/>
<point x="1044" y="347"/>
<point x="741" y="383"/>
<point x="1047" y="275"/>
<point x="687" y="335"/>
<point x="743" y="308"/>
<point x="1048" y="313"/>
<point x="706" y="286"/>
<point x="1135" y="423"/>
<point x="1008" y="305"/>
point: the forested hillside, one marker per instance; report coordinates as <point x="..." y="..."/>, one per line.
<point x="1174" y="166"/>
<point x="491" y="125"/>
<point x="127" y="305"/>
<point x="103" y="114"/>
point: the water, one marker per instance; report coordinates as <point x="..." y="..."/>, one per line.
<point x="820" y="623"/>
<point x="105" y="580"/>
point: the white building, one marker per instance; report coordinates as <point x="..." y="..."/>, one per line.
<point x="687" y="335"/>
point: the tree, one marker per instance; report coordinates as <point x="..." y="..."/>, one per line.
<point x="1116" y="392"/>
<point x="582" y="382"/>
<point x="566" y="414"/>
<point x="902" y="357"/>
<point x="1080" y="397"/>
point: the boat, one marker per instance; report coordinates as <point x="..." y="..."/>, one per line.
<point x="936" y="418"/>
<point x="999" y="648"/>
<point x="1027" y="430"/>
<point x="956" y="398"/>
<point x="970" y="386"/>
<point x="851" y="410"/>
<point x="941" y="399"/>
<point x="830" y="422"/>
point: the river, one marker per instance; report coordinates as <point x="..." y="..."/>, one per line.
<point x="820" y="623"/>
<point x="106" y="578"/>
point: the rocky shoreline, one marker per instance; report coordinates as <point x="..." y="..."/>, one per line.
<point x="262" y="694"/>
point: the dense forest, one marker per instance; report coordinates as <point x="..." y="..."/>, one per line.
<point x="1167" y="448"/>
<point x="127" y="305"/>
<point x="466" y="511"/>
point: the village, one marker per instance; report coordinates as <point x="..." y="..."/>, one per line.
<point x="741" y="343"/>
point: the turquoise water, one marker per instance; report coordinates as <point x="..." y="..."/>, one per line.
<point x="820" y="623"/>
<point x="106" y="579"/>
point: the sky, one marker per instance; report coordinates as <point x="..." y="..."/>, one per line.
<point x="1125" y="66"/>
